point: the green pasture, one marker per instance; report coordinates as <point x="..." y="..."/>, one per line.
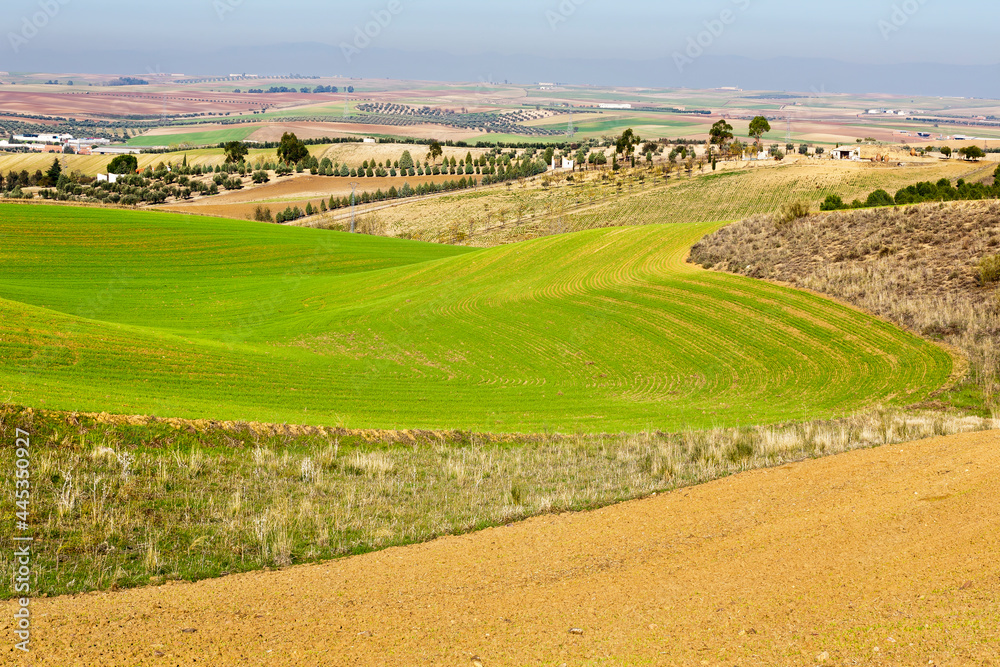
<point x="605" y="330"/>
<point x="236" y="133"/>
<point x="643" y="126"/>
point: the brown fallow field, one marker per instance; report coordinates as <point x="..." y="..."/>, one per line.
<point x="110" y="103"/>
<point x="881" y="556"/>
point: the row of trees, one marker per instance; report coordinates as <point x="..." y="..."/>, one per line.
<point x="925" y="191"/>
<point x="304" y="89"/>
<point x="129" y="190"/>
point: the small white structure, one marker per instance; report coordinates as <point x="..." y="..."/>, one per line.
<point x="614" y="106"/>
<point x="109" y="178"/>
<point x="566" y="164"/>
<point x="369" y="140"/>
<point x="852" y="153"/>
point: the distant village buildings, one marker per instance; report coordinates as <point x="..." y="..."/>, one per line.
<point x="888" y="112"/>
<point x="614" y="106"/>
<point x="54" y="143"/>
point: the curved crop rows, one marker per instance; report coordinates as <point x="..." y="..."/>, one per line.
<point x="603" y="330"/>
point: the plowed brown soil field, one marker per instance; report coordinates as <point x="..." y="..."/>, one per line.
<point x="295" y="192"/>
<point x="877" y="557"/>
<point x="126" y="101"/>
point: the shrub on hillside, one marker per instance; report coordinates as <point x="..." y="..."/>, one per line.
<point x="989" y="270"/>
<point x="262" y="214"/>
<point x="879" y="198"/>
<point x="832" y="203"/>
<point x="792" y="211"/>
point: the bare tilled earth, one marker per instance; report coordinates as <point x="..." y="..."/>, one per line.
<point x="125" y="101"/>
<point x="295" y="192"/>
<point x="877" y="557"/>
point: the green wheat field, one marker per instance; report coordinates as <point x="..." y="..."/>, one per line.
<point x="600" y="331"/>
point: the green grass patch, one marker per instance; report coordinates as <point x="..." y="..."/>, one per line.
<point x="605" y="330"/>
<point x="237" y="133"/>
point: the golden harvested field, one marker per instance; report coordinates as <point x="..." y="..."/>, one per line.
<point x="526" y="210"/>
<point x="91" y="165"/>
<point x="749" y="191"/>
<point x="875" y="557"/>
<point x="356" y="153"/>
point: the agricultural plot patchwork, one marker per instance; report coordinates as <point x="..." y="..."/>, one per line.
<point x="601" y="331"/>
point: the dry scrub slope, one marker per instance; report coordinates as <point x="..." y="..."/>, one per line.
<point x="918" y="266"/>
<point x="882" y="556"/>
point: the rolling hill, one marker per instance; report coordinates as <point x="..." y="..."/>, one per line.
<point x="599" y="331"/>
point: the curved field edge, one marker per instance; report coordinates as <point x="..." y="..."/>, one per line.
<point x="920" y="267"/>
<point x="123" y="502"/>
<point x="599" y="331"/>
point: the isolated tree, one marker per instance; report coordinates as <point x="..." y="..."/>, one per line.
<point x="435" y="151"/>
<point x="123" y="164"/>
<point x="406" y="161"/>
<point x="832" y="203"/>
<point x="972" y="153"/>
<point x="235" y="152"/>
<point x="53" y="173"/>
<point x="759" y="127"/>
<point x="291" y="149"/>
<point x="625" y="144"/>
<point x="721" y="133"/>
<point x="946" y="151"/>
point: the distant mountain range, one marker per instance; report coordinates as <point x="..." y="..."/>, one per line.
<point x="807" y="75"/>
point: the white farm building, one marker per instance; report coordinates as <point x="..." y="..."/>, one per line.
<point x="852" y="153"/>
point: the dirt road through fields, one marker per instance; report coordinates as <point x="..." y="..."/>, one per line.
<point x="885" y="557"/>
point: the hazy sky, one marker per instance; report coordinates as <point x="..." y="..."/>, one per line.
<point x="869" y="31"/>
